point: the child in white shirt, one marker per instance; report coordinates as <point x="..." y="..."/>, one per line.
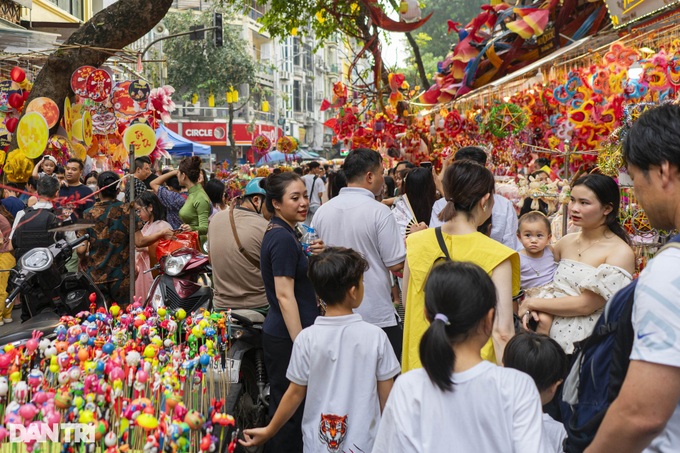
<point x="545" y="361"/>
<point x="458" y="402"/>
<point x="342" y="365"/>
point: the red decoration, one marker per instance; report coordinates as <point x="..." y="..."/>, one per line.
<point x="16" y="100"/>
<point x="17" y="74"/>
<point x="11" y="124"/>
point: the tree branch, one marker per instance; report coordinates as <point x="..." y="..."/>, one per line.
<point x="115" y="27"/>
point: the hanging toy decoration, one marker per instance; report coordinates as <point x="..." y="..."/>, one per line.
<point x="262" y="144"/>
<point x="506" y="119"/>
<point x="287" y="144"/>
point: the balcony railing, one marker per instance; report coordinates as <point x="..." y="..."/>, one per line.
<point x="10" y="11"/>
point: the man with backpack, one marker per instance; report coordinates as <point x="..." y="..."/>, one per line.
<point x="31" y="226"/>
<point x="645" y="412"/>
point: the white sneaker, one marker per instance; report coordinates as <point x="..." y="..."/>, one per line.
<point x="2" y="323"/>
<point x="6" y="320"/>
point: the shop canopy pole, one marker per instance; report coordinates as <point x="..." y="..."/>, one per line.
<point x="133" y="224"/>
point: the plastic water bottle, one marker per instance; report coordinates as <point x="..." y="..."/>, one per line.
<point x="308" y="239"/>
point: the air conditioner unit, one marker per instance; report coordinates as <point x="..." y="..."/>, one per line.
<point x="192" y="109"/>
<point x="284" y="75"/>
<point x="210" y="112"/>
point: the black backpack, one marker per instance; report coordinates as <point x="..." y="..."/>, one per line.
<point x="32" y="231"/>
<point x="599" y="368"/>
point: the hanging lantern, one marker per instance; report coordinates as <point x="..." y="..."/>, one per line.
<point x="265" y="106"/>
<point x="211" y="100"/>
<point x="194" y="98"/>
<point x="409" y="10"/>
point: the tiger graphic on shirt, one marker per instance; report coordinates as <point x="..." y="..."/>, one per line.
<point x="332" y="430"/>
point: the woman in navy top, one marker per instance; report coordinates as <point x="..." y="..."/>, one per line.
<point x="292" y="301"/>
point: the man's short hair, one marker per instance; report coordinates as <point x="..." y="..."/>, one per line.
<point x="473" y="153"/>
<point x="335" y="271"/>
<point x="312" y="165"/>
<point x="77" y="161"/>
<point x="654" y="138"/>
<point x="359" y="162"/>
<point x="48" y="186"/>
<point x="141" y="160"/>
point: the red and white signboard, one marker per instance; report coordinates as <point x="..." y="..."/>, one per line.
<point x="215" y="133"/>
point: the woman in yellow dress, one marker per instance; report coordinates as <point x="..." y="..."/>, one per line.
<point x="468" y="188"/>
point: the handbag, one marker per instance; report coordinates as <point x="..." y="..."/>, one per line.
<point x="179" y="240"/>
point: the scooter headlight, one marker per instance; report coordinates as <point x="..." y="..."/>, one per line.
<point x="175" y="264"/>
<point x="37" y="259"/>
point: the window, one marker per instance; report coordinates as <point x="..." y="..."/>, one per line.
<point x="296" y="51"/>
<point x="307" y="49"/>
<point x="309" y="91"/>
<point x="73" y="7"/>
<point x="297" y="96"/>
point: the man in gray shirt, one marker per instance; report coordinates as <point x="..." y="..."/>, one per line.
<point x="354" y="219"/>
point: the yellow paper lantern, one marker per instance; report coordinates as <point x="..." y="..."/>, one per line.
<point x="194" y="98"/>
<point x="293" y="31"/>
<point x="211" y="100"/>
<point x="265" y="106"/>
<point x="142" y="136"/>
<point x="32" y="134"/>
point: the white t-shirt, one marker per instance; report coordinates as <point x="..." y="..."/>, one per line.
<point x="313" y="192"/>
<point x="341" y="359"/>
<point x="356" y="220"/>
<point x="554" y="433"/>
<point x="503" y="221"/>
<point x="656" y="322"/>
<point x="491" y="409"/>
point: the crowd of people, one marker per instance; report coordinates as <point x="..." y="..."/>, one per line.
<point x="495" y="312"/>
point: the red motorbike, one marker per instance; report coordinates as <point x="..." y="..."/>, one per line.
<point x="183" y="282"/>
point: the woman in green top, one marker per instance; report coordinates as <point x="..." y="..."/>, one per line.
<point x="196" y="209"/>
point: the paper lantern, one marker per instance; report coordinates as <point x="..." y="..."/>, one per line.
<point x="17" y="74"/>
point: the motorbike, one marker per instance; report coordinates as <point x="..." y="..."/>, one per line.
<point x="183" y="282"/>
<point x="248" y="397"/>
<point x="48" y="291"/>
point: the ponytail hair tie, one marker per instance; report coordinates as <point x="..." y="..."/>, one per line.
<point x="443" y="318"/>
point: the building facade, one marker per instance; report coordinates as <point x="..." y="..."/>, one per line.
<point x="296" y="73"/>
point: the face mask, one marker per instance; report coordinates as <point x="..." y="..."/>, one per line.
<point x="92" y="187"/>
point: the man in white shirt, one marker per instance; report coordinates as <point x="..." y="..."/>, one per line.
<point x="354" y="219"/>
<point x="646" y="414"/>
<point x="315" y="187"/>
<point x="503" y="214"/>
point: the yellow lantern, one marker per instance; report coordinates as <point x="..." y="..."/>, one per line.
<point x="293" y="31"/>
<point x="211" y="100"/>
<point x="194" y="98"/>
<point x="265" y="106"/>
<point x="230" y="97"/>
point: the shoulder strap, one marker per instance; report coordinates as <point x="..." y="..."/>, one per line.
<point x="243" y="251"/>
<point x="442" y="244"/>
<point x="313" y="184"/>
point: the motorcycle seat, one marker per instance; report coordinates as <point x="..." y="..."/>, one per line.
<point x="252" y="315"/>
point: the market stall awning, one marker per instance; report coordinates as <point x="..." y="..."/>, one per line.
<point x="17" y="39"/>
<point x="181" y="146"/>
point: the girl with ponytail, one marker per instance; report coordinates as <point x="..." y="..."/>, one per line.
<point x="593" y="265"/>
<point x="458" y="402"/>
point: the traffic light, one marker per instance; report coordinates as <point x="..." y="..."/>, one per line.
<point x="217" y="22"/>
